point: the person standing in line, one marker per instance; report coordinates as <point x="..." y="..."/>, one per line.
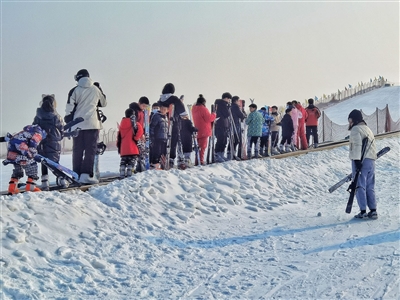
<point x="187" y="131"/>
<point x="313" y="114"/>
<point x="254" y="122"/>
<point x="159" y="135"/>
<point x="222" y="126"/>
<point x="287" y="131"/>
<point x="128" y="136"/>
<point x="365" y="186"/>
<point x="296" y="116"/>
<point x="238" y="117"/>
<point x="83" y="101"/>
<point x="275" y="127"/>
<point x="139" y="108"/>
<point x="264" y="140"/>
<point x="51" y="122"/>
<point x="301" y="134"/>
<point x="202" y="119"/>
<point x="167" y="98"/>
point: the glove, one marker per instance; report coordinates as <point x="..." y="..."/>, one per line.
<point x="358" y="164"/>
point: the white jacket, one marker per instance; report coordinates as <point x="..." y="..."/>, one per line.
<point x="357" y="134"/>
<point x="86" y="97"/>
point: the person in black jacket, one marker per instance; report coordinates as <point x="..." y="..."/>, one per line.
<point x="187" y="130"/>
<point x="51" y="122"/>
<point x="222" y="126"/>
<point x="159" y="135"/>
<point x="287" y="131"/>
<point x="238" y="117"/>
<point x="168" y="98"/>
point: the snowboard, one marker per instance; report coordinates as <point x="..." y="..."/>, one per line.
<point x="58" y="170"/>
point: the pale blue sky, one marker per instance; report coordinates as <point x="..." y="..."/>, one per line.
<point x="271" y="51"/>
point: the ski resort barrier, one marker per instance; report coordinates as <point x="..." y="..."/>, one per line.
<point x="379" y="122"/>
<point x="350" y="92"/>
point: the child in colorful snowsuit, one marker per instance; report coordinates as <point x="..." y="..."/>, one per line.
<point x="159" y="135"/>
<point x="254" y="122"/>
<point x="51" y="122"/>
<point x="264" y="140"/>
<point x="287" y="131"/>
<point x="21" y="152"/>
<point x="187" y="130"/>
<point x="128" y="135"/>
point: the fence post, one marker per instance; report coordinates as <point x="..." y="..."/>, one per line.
<point x="323" y="126"/>
<point x="377" y="121"/>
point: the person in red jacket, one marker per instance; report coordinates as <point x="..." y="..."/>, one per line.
<point x="202" y="119"/>
<point x="301" y="134"/>
<point x="128" y="135"/>
<point x="313" y="114"/>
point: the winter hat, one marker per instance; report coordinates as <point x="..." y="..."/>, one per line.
<point x="356" y="116"/>
<point x="144" y="100"/>
<point x="81" y="73"/>
<point x="311" y="101"/>
<point x="169" y="88"/>
<point x="226" y="95"/>
<point x="184" y="114"/>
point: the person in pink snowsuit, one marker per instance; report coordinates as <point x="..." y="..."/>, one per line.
<point x="296" y="115"/>
<point x="301" y="131"/>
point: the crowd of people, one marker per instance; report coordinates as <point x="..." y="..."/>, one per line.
<point x="227" y="124"/>
<point x="237" y="135"/>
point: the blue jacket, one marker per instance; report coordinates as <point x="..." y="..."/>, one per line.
<point x="159" y="127"/>
<point x="268" y="119"/>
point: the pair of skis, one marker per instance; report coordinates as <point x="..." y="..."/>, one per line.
<point x="353" y="185"/>
<point x="211" y="141"/>
<point x="194" y="138"/>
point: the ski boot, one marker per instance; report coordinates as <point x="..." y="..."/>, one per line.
<point x="13" y="186"/>
<point x="188" y="161"/>
<point x="275" y="151"/>
<point x="122" y="173"/>
<point x="45" y="183"/>
<point x="129" y="170"/>
<point x="287" y="149"/>
<point x="171" y="163"/>
<point x="31" y="185"/>
<point x="219" y="157"/>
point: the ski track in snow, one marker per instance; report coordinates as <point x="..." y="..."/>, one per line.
<point x="237" y="230"/>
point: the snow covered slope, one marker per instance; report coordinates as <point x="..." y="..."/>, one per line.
<point x="260" y="229"/>
<point x="368" y="102"/>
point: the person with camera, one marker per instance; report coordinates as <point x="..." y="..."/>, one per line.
<point x="84" y="101"/>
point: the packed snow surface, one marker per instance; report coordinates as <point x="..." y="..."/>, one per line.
<point x="258" y="229"/>
<point x="368" y="102"/>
